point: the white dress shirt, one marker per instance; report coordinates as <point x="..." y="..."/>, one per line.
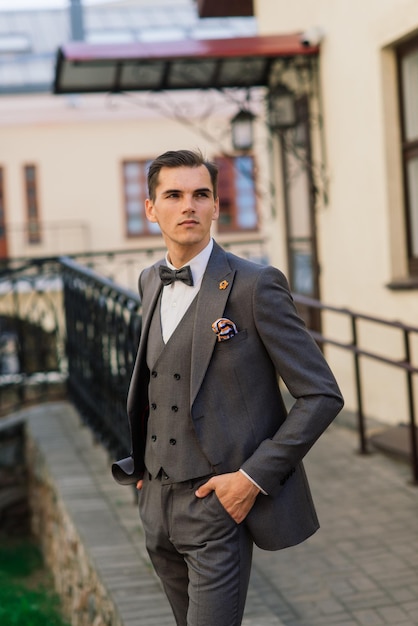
<point x="177" y="297"/>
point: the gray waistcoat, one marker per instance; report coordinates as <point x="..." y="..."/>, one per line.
<point x="171" y="440"/>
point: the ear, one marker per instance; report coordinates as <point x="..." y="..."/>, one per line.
<point x="216" y="209"/>
<point x="149" y="210"/>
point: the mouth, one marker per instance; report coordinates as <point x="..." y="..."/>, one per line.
<point x="189" y="222"/>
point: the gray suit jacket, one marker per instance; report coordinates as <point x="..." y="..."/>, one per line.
<point x="236" y="405"/>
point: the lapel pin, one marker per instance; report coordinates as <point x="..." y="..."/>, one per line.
<point x="224" y="284"/>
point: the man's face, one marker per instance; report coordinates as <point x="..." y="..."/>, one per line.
<point x="184" y="208"/>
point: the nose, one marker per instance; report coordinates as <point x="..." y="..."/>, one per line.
<point x="188" y="204"/>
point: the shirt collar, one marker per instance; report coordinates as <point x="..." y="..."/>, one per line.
<point x="198" y="263"/>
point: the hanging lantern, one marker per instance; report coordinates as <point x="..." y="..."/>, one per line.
<point x="242" y="130"/>
<point x="282" y="108"/>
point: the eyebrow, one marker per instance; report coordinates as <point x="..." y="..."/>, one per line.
<point x="168" y="191"/>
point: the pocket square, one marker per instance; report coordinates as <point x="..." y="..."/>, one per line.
<point x="224" y="328"/>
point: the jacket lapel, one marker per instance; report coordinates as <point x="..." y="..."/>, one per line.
<point x="213" y="295"/>
<point x="154" y="287"/>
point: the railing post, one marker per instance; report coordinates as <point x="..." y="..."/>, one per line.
<point x="411" y="405"/>
<point x="361" y="421"/>
<point x="21" y="352"/>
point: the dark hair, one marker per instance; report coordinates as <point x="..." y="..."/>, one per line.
<point x="179" y="158"/>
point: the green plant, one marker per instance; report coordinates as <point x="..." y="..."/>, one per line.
<point x="24" y="601"/>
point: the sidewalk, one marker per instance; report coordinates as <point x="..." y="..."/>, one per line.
<point x="360" y="569"/>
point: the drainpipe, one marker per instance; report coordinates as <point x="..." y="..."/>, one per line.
<point x="77" y="25"/>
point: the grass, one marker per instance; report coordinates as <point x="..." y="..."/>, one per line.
<point x="26" y="598"/>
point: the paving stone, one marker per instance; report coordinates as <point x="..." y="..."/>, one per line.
<point x="392" y="614"/>
<point x="359" y="569"/>
<point x="368" y="618"/>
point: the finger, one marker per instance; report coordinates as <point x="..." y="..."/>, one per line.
<point x="139" y="484"/>
<point x="204" y="490"/>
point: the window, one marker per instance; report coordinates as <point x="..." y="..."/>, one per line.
<point x="109" y="36"/>
<point x="135" y="193"/>
<point x="11" y="43"/>
<point x="408" y="89"/>
<point x="236" y="190"/>
<point x="32" y="207"/>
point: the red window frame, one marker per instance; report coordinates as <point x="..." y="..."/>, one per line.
<point x="237" y="194"/>
<point x="33" y="224"/>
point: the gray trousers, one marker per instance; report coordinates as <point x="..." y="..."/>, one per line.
<point x="201" y="555"/>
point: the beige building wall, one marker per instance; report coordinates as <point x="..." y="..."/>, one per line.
<point x="78" y="145"/>
<point x="361" y="238"/>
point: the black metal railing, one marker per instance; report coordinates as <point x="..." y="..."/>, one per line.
<point x="32" y="351"/>
<point x="359" y="354"/>
<point x="103" y="326"/>
<point x="66" y="331"/>
<point x="60" y="321"/>
<point x="123" y="266"/>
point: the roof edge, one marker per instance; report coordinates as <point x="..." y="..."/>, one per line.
<point x="266" y="46"/>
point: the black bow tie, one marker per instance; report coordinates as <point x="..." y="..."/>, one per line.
<point x="168" y="276"/>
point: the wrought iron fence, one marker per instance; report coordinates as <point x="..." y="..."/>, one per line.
<point x="63" y="323"/>
<point x="32" y="350"/>
<point x="123" y="266"/>
<point x="103" y="326"/>
<point x="67" y="331"/>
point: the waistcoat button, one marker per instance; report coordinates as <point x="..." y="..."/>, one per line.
<point x="153" y="406"/>
<point x="175" y="408"/>
<point x="177" y="376"/>
<point x="173" y="442"/>
<point x="154" y="374"/>
<point x="154" y="438"/>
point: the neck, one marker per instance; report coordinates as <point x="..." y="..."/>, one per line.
<point x="181" y="256"/>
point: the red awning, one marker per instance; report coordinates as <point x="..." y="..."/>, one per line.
<point x="221" y="8"/>
<point x="188" y="64"/>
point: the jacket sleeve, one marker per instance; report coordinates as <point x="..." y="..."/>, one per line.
<point x="129" y="470"/>
<point x="302" y="367"/>
<point x="124" y="473"/>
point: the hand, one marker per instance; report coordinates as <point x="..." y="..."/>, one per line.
<point x="235" y="492"/>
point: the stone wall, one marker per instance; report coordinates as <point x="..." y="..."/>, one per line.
<point x="86" y="524"/>
<point x="14" y="510"/>
<point x="85" y="600"/>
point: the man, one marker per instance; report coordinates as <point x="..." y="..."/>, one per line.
<point x="214" y="455"/>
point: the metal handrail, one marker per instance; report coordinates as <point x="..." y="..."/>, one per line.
<point x="404" y="364"/>
<point x="103" y="325"/>
<point x="97" y="326"/>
